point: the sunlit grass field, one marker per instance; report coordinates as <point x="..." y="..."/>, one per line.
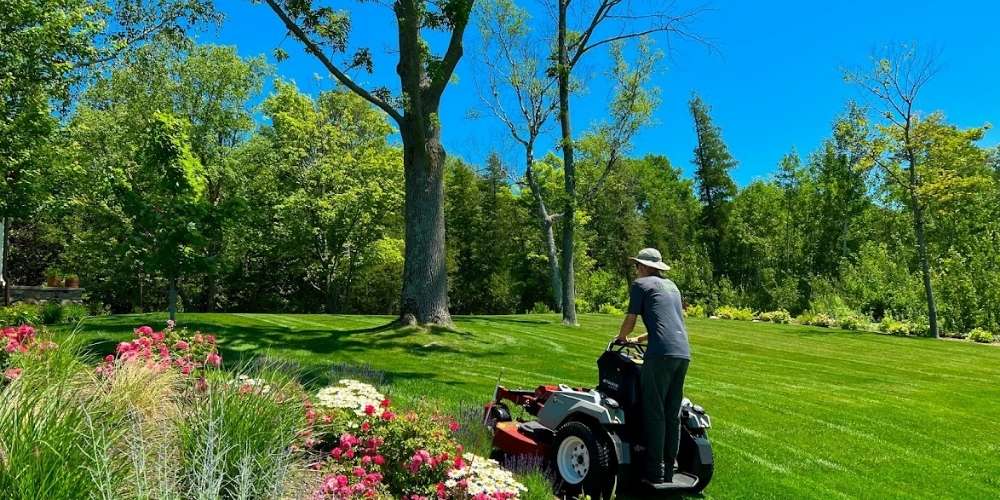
<point x="798" y="412"/>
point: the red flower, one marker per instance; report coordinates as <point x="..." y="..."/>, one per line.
<point x="388" y="416"/>
<point x="144" y="330"/>
<point x="12" y="373"/>
<point x="181" y="345"/>
<point x="379" y="460"/>
<point x="453" y="426"/>
<point x="385" y="403"/>
<point x="369" y="410"/>
<point x="365" y="427"/>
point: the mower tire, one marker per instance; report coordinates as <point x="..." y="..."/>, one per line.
<point x="696" y="458"/>
<point x="582" y="463"/>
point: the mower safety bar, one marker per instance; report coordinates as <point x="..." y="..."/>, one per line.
<point x="618" y="346"/>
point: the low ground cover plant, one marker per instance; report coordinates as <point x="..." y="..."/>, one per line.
<point x="737" y="313"/>
<point x="779" y="316"/>
<point x="982" y="336"/>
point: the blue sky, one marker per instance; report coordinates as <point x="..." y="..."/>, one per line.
<point x="774" y="79"/>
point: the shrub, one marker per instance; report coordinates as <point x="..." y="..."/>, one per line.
<point x="367" y="449"/>
<point x="73" y="313"/>
<point x="737" y="313"/>
<point x="779" y="316"/>
<point x="20" y="314"/>
<point x="895" y="327"/>
<point x="853" y="322"/>
<point x="821" y="319"/>
<point x="695" y="311"/>
<point x="540" y="308"/>
<point x="610" y="309"/>
<point x="981" y="336"/>
<point x="52" y="313"/>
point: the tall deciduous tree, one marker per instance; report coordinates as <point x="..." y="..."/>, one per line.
<point x="423" y="77"/>
<point x="336" y="182"/>
<point x="895" y="81"/>
<point x="163" y="198"/>
<point x="517" y="78"/>
<point x="606" y="22"/>
<point x="715" y="186"/>
<point x="47" y="47"/>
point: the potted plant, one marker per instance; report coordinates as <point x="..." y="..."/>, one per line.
<point x="72" y="281"/>
<point x="53" y="278"/>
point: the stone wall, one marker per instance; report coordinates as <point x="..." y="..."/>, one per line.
<point x="40" y="294"/>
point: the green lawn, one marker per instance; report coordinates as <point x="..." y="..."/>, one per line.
<point x="797" y="411"/>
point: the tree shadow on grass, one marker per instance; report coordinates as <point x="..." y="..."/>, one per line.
<point x="501" y="319"/>
<point x="243" y="345"/>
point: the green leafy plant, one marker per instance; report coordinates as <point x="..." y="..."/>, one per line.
<point x="736" y="313"/>
<point x="779" y="316"/>
<point x="821" y="319"/>
<point x="540" y="308"/>
<point x="610" y="309"/>
<point x="695" y="311"/>
<point x="895" y="327"/>
<point x="853" y="322"/>
<point x="20" y="314"/>
<point x="73" y="313"/>
<point x="982" y="336"/>
<point x="52" y="313"/>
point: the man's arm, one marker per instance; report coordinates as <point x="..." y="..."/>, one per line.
<point x="628" y="324"/>
<point x="635" y="297"/>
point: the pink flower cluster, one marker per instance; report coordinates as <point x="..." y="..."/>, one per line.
<point x="340" y="486"/>
<point x="364" y="479"/>
<point x="161" y="350"/>
<point x="22" y="339"/>
<point x="423" y="458"/>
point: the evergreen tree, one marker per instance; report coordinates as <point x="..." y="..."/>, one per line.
<point x="715" y="186"/>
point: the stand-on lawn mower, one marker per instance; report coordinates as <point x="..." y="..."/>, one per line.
<point x="592" y="439"/>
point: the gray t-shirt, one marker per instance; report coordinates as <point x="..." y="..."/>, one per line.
<point x="658" y="301"/>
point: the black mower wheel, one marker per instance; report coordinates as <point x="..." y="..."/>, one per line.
<point x="581" y="462"/>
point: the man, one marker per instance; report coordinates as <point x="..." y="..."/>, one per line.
<point x="658" y="301"/>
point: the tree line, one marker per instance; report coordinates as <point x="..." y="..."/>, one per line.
<point x="160" y="188"/>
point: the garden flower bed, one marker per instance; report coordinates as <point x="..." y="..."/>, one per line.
<point x="160" y="418"/>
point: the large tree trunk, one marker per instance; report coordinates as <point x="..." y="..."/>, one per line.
<point x="425" y="278"/>
<point x="172" y="299"/>
<point x="925" y="269"/>
<point x="548" y="234"/>
<point x="4" y="246"/>
<point x="569" y="174"/>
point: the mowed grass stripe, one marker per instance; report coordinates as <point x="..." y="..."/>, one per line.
<point x="799" y="412"/>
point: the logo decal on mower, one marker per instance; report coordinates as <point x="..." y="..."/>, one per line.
<point x="612" y="385"/>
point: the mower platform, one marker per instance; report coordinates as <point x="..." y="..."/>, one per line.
<point x="681" y="481"/>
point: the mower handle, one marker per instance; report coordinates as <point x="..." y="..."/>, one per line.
<point x="624" y="345"/>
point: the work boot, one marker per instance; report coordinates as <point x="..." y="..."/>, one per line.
<point x="655" y="475"/>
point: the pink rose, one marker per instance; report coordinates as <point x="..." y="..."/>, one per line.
<point x="12" y="373"/>
<point x="214" y="359"/>
<point x="144" y="330"/>
<point x="181" y="345"/>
